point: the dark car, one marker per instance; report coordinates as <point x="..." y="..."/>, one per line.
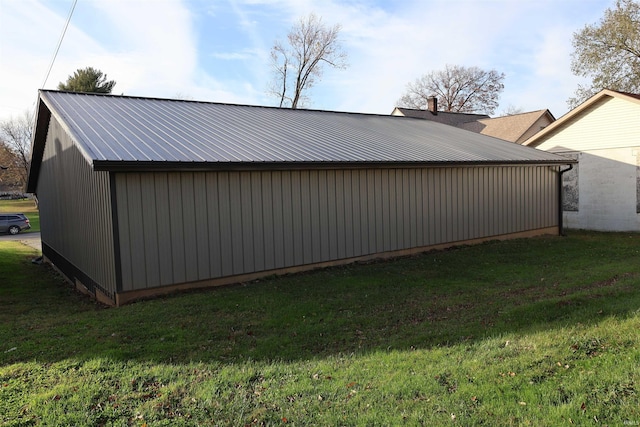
<point x="13" y="223"/>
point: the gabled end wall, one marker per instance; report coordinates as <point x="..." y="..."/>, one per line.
<point x="75" y="215"/>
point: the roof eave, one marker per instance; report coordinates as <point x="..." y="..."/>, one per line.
<point x="41" y="127"/>
<point x="153" y="166"/>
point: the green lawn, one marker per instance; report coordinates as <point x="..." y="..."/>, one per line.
<point x="25" y="206"/>
<point x="540" y="332"/>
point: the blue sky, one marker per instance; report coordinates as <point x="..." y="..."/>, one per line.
<point x="218" y="50"/>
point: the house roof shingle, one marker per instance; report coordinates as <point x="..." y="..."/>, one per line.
<point x="510" y="128"/>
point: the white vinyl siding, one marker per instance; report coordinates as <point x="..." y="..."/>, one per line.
<point x="608" y="123"/>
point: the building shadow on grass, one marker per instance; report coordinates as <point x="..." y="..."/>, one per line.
<point x="418" y="302"/>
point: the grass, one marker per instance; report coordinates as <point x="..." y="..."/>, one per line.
<point x="539" y="332"/>
<point x="25" y="206"/>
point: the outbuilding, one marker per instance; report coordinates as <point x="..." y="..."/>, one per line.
<point x="142" y="196"/>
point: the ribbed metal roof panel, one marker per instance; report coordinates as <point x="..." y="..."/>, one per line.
<point x="128" y="129"/>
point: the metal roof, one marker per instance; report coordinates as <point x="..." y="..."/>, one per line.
<point x="114" y="131"/>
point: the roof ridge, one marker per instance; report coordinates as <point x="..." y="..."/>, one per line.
<point x="442" y="112"/>
<point x="523" y="113"/>
<point x="231" y="104"/>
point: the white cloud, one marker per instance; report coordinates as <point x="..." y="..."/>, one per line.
<point x="529" y="41"/>
<point x="151" y="48"/>
<point x="145" y="56"/>
<point x="29" y="33"/>
<point x="235" y="56"/>
<point x="549" y="82"/>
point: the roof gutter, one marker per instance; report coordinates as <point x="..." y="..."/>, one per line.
<point x="561" y="199"/>
<point x="172" y="166"/>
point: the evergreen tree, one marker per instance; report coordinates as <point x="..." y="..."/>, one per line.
<point x="88" y="80"/>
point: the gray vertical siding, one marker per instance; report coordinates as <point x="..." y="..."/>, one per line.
<point x="182" y="227"/>
<point x="75" y="208"/>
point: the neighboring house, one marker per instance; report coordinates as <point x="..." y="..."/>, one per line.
<point x="513" y="128"/>
<point x="144" y="196"/>
<point x="432" y="113"/>
<point x="602" y="192"/>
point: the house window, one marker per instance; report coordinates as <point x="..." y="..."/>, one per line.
<point x="570" y="186"/>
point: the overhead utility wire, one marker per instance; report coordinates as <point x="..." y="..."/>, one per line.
<point x="55" y="54"/>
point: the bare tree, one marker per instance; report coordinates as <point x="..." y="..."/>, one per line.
<point x="608" y="52"/>
<point x="458" y="89"/>
<point x="16" y="134"/>
<point x="298" y="65"/>
<point x="511" y="110"/>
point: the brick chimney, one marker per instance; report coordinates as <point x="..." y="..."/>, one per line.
<point x="432" y="104"/>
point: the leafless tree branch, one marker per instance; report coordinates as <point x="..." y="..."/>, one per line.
<point x="298" y="65"/>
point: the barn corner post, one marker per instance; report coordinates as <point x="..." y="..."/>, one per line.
<point x="561" y="172"/>
<point x="116" y="238"/>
